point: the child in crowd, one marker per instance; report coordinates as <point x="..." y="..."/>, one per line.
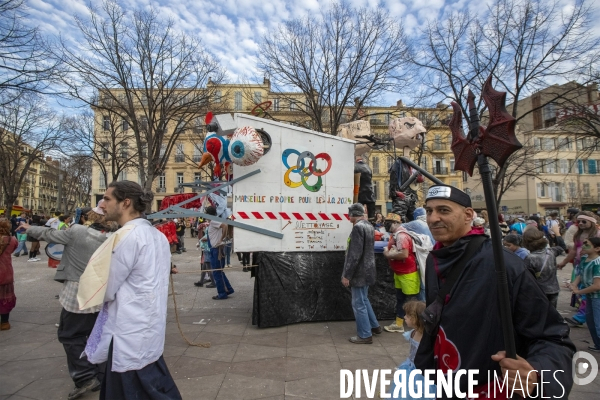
<point x="22" y="239"/>
<point x="588" y="283"/>
<point x="513" y="243"/>
<point x="542" y="261"/>
<point x="414" y="322"/>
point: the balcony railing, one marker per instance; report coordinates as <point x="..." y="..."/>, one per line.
<point x="196" y="158"/>
<point x="440" y="171"/>
<point x="179" y="158"/>
<point x="438" y="147"/>
<point x="178" y="189"/>
<point x="161" y="190"/>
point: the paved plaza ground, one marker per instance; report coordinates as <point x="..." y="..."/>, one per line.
<point x="291" y="362"/>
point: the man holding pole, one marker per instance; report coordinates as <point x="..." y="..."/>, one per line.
<point x="463" y="326"/>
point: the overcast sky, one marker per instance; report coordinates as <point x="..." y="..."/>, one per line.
<point x="231" y="29"/>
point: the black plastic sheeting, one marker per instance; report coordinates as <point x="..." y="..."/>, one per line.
<point x="303" y="287"/>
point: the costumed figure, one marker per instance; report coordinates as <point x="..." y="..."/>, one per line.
<point x="407" y="133"/>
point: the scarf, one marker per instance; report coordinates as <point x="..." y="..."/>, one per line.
<point x="92" y="284"/>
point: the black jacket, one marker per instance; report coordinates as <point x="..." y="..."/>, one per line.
<point x="365" y="190"/>
<point x="471" y="329"/>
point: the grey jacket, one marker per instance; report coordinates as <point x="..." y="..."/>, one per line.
<point x="80" y="243"/>
<point x="359" y="267"/>
<point x="543" y="264"/>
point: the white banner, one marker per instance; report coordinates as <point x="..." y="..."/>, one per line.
<point x="303" y="191"/>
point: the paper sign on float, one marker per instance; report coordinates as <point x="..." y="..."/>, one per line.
<point x="303" y="191"/>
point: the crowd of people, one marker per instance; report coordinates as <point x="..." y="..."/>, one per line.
<point x="442" y="263"/>
<point x="112" y="333"/>
<point x="458" y="278"/>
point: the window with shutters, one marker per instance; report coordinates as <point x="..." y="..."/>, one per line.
<point x="197" y="154"/>
<point x="179" y="155"/>
<point x="124" y="150"/>
<point x="581" y="167"/>
<point x="376" y="189"/>
<point x="572" y="190"/>
<point x="179" y="178"/>
<point x="237" y="105"/>
<point x="123" y="175"/>
<point x="162" y="181"/>
<point x="390" y="162"/>
<point x="548" y="144"/>
<point x="144" y="123"/>
<point x="124" y="124"/>
<point x="375" y="165"/>
<point x="102" y="181"/>
<point x="104" y="150"/>
<point x="586" y="190"/>
<point x="257" y="97"/>
<point x="591" y="166"/>
<point x="217" y="97"/>
<point x="276" y="105"/>
<point x="541" y="190"/>
<point x="106" y="122"/>
<point x="564" y="166"/>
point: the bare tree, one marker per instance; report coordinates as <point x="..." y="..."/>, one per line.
<point x="523" y="44"/>
<point x="77" y="184"/>
<point x="340" y="58"/>
<point x="28" y="130"/>
<point x="24" y="61"/>
<point x="107" y="143"/>
<point x="144" y="71"/>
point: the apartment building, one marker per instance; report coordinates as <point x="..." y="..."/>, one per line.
<point x="563" y="164"/>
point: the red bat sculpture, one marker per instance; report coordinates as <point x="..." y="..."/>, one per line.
<point x="497" y="141"/>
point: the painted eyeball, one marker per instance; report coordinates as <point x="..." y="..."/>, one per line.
<point x="245" y="146"/>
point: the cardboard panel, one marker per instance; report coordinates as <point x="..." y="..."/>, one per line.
<point x="309" y="211"/>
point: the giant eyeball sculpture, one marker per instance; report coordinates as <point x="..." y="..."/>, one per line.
<point x="245" y="146"/>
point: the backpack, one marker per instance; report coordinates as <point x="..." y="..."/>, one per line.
<point x="422" y="246"/>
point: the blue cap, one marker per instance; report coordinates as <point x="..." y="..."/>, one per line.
<point x="418" y="212"/>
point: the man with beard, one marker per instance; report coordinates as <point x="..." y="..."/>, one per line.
<point x="129" y="334"/>
<point x="465" y="330"/>
<point x="76" y="325"/>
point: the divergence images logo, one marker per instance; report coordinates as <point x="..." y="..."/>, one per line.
<point x="589" y="363"/>
<point x="303" y="170"/>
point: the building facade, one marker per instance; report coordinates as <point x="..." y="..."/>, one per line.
<point x="182" y="165"/>
<point x="561" y="161"/>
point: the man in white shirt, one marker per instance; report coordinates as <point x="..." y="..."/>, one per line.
<point x="130" y="331"/>
<point x="216" y="232"/>
<point x="53" y="222"/>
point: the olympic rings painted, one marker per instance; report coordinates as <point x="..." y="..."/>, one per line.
<point x="301" y="157"/>
<point x="305" y="172"/>
<point x="284" y="158"/>
<point x="322" y="156"/>
<point x="288" y="182"/>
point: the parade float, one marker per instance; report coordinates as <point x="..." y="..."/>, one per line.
<point x="290" y="191"/>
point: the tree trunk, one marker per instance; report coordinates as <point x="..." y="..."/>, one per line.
<point x="148" y="186"/>
<point x="10" y="200"/>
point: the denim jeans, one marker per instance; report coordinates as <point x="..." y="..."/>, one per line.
<point x="220" y="279"/>
<point x="22" y="247"/>
<point x="228" y="254"/>
<point x="592" y="317"/>
<point x="363" y="312"/>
